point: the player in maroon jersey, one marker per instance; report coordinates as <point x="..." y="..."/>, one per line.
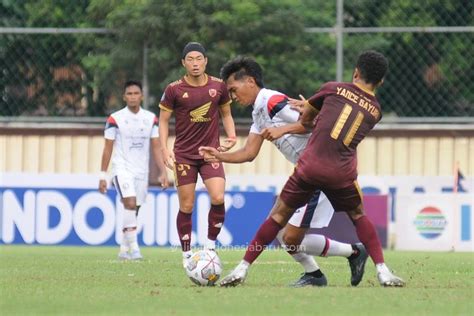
<point x="345" y="113"/>
<point x="197" y="100"/>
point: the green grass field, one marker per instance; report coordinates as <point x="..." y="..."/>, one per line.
<point x="89" y="281"/>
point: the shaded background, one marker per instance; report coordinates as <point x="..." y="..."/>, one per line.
<point x="77" y="63"/>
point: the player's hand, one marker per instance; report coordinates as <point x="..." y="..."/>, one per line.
<point x="297" y="105"/>
<point x="103" y="186"/>
<point x="209" y="153"/>
<point x="229" y="142"/>
<point x="163" y="180"/>
<point x="168" y="158"/>
<point x="272" y="133"/>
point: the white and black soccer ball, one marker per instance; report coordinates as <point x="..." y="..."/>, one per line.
<point x="204" y="268"/>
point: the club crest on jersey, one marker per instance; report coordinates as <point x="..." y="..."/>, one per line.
<point x="212" y="92"/>
<point x="215" y="165"/>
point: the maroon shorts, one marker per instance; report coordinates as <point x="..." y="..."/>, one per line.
<point x="297" y="192"/>
<point x="187" y="170"/>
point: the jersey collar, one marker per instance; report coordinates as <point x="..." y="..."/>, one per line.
<point x="364" y="89"/>
<point x="193" y="85"/>
<point x="259" y="98"/>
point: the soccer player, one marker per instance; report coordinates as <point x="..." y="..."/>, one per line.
<point x="346" y="112"/>
<point x="128" y="134"/>
<point x="197" y="100"/>
<point x="273" y="119"/>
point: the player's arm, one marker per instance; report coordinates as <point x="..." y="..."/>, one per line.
<point x="104" y="165"/>
<point x="307" y="116"/>
<point x="297" y="105"/>
<point x="245" y="154"/>
<point x="272" y="133"/>
<point x="158" y="157"/>
<point x="167" y="155"/>
<point x="229" y="127"/>
<point x="287" y="118"/>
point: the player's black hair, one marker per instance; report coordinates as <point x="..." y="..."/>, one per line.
<point x="372" y="66"/>
<point x="193" y="47"/>
<point x="242" y="66"/>
<point x="130" y="83"/>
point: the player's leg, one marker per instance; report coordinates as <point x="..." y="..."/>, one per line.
<point x="350" y="200"/>
<point x="185" y="179"/>
<point x="317" y="214"/>
<point x="141" y="189"/>
<point x="290" y="237"/>
<point x="295" y="193"/>
<point x="214" y="180"/>
<point x="124" y="184"/>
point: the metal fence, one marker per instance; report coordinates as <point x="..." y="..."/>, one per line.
<point x="52" y="71"/>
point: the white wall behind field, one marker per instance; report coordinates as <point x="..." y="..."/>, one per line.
<point x="382" y="153"/>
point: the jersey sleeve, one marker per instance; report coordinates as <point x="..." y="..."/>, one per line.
<point x="225" y="97"/>
<point x="167" y="99"/>
<point x="277" y="107"/>
<point x="254" y="129"/>
<point x="287" y="115"/>
<point x="110" y="128"/>
<point x="326" y="89"/>
<point x="154" y="129"/>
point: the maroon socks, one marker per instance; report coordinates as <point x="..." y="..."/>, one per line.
<point x="184" y="224"/>
<point x="215" y="220"/>
<point x="265" y="235"/>
<point x="368" y="236"/>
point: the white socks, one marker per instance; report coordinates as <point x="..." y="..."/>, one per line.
<point x="307" y="261"/>
<point x="243" y="265"/>
<point x="187" y="254"/>
<point x="382" y="268"/>
<point x="130" y="234"/>
<point x="211" y="244"/>
<point x="314" y="245"/>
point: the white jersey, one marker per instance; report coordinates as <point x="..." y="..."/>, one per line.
<point x="271" y="109"/>
<point x="131" y="133"/>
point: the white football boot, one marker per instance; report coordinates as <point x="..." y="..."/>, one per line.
<point x="237" y="276"/>
<point x="387" y="278"/>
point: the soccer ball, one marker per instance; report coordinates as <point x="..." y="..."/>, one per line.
<point x="204" y="268"/>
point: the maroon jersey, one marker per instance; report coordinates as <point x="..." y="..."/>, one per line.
<point x="347" y="114"/>
<point x="196" y="110"/>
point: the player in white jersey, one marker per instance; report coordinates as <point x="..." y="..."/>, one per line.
<point x="274" y="120"/>
<point x="128" y="135"/>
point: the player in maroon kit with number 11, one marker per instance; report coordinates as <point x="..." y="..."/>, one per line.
<point x="345" y="113"/>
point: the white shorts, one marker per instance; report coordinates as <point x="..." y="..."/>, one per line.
<point x="129" y="185"/>
<point x="316" y="214"/>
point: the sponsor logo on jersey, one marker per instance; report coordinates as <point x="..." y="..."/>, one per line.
<point x="197" y="115"/>
<point x="185" y="95"/>
<point x="212" y="92"/>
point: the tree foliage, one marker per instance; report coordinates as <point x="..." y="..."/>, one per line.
<point x="83" y="74"/>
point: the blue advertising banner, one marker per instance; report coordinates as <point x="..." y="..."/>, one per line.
<point x="68" y="216"/>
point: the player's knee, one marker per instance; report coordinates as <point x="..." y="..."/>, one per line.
<point x="129" y="204"/>
<point x="217" y="199"/>
<point x="291" y="239"/>
<point x="356" y="213"/>
<point x="186" y="207"/>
